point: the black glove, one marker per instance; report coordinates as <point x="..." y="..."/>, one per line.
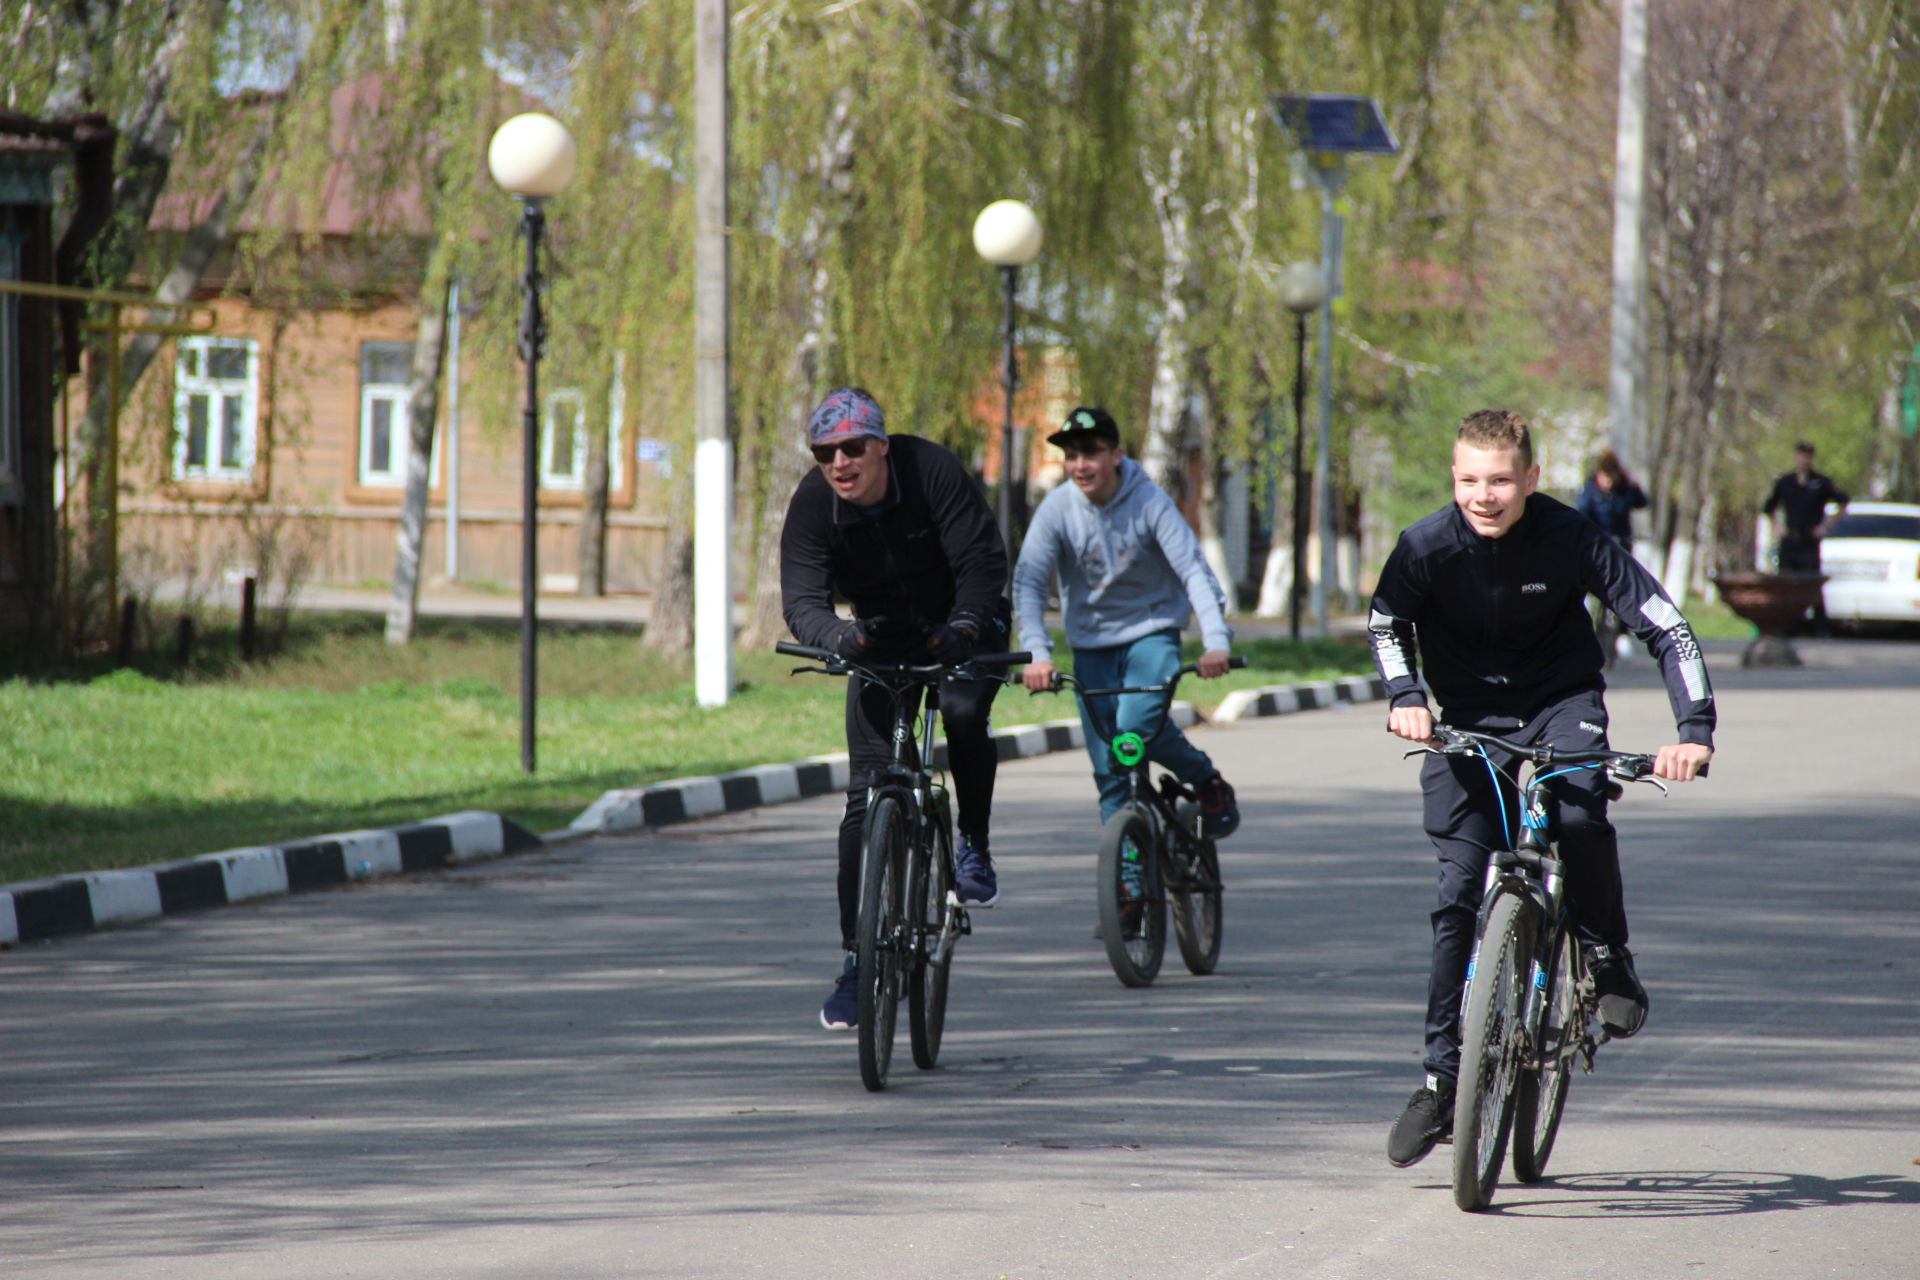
<point x="854" y="643"/>
<point x="950" y="645"/>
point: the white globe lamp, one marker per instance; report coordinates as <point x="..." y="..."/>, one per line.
<point x="532" y="155"/>
<point x="1007" y="234"/>
<point x="1303" y="287"/>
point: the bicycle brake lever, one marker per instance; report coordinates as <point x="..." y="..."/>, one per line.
<point x="1652" y="781"/>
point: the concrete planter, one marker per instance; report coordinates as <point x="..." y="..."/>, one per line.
<point x="1774" y="603"/>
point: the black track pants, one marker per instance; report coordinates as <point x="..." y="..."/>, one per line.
<point x="1463" y="819"/>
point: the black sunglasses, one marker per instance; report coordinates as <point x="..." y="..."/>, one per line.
<point x="854" y="448"/>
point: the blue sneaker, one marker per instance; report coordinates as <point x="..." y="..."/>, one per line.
<point x="974" y="882"/>
<point x="841" y="1012"/>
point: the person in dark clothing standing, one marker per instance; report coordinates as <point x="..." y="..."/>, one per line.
<point x="895" y="526"/>
<point x="1798" y="505"/>
<point x="1489" y="592"/>
<point x="1610" y="497"/>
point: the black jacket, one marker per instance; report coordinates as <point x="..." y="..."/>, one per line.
<point x="1804" y="505"/>
<point x="1502" y="622"/>
<point x="932" y="554"/>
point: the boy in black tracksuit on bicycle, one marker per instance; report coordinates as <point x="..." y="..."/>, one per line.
<point x="1492" y="588"/>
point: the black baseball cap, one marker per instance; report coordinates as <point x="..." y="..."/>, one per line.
<point x="1086" y="424"/>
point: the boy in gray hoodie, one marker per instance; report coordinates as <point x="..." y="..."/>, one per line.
<point x="1131" y="574"/>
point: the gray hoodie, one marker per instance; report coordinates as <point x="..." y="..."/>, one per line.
<point x="1127" y="569"/>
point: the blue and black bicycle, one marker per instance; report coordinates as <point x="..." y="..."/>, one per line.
<point x="1530" y="1006"/>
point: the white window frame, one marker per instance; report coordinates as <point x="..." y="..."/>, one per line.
<point x="572" y="400"/>
<point x="400" y="449"/>
<point x="187" y="386"/>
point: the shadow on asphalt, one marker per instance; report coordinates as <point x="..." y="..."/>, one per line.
<point x="625" y="1032"/>
<point x="1701" y="1194"/>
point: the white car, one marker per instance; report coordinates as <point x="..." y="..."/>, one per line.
<point x="1871" y="556"/>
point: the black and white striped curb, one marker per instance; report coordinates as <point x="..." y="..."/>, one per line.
<point x="684" y="799"/>
<point x="72" y="904"/>
<point x="1311" y="695"/>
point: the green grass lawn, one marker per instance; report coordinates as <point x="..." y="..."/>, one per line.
<point x="338" y="730"/>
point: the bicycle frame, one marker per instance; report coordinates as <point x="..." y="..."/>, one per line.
<point x="919" y="783"/>
<point x="1528" y="868"/>
<point x="1159" y="805"/>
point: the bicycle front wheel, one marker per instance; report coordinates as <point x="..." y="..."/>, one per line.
<point x="1490" y="1047"/>
<point x="1543" y="1093"/>
<point x="1193" y="885"/>
<point x="927" y="988"/>
<point x="881" y="935"/>
<point x="1133" y="918"/>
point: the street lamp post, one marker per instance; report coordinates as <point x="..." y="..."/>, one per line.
<point x="1007" y="235"/>
<point x="1303" y="288"/>
<point x="1326" y="128"/>
<point x="531" y="156"/>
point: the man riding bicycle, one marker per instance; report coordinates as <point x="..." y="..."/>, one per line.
<point x="1131" y="574"/>
<point x="1492" y="589"/>
<point x="896" y="527"/>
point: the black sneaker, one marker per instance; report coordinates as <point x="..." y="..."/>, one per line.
<point x="1219" y="814"/>
<point x="1623" y="1001"/>
<point x="841" y="1012"/>
<point x="1427" y="1122"/>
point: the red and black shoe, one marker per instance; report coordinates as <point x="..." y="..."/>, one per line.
<point x="1219" y="813"/>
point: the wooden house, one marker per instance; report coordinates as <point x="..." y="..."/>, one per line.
<point x="277" y="446"/>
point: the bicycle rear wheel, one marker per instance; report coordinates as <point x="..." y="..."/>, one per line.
<point x="1490" y="1054"/>
<point x="1543" y="1094"/>
<point x="880" y="935"/>
<point x="927" y="988"/>
<point x="1193" y="886"/>
<point x="1133" y="918"/>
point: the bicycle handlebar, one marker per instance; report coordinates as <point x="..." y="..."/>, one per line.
<point x="1061" y="678"/>
<point x="1628" y="766"/>
<point x="837" y="665"/>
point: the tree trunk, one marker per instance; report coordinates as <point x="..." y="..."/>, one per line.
<point x="1208" y="507"/>
<point x="1172" y="360"/>
<point x="787" y="461"/>
<point x="670" y="620"/>
<point x="597" y="483"/>
<point x="423" y="411"/>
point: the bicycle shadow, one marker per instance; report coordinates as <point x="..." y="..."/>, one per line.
<point x="1695" y="1194"/>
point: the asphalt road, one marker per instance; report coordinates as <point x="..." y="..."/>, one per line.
<point x="603" y="1060"/>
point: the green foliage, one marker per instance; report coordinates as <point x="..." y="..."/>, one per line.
<point x="867" y="135"/>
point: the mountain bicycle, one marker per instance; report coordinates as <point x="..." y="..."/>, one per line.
<point x="1152" y="853"/>
<point x="910" y="919"/>
<point x="1531" y="1009"/>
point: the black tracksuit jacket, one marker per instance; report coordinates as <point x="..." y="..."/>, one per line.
<point x="931" y="555"/>
<point x="1502" y="623"/>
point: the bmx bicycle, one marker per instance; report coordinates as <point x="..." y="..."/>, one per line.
<point x="910" y="919"/>
<point x="1153" y="854"/>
